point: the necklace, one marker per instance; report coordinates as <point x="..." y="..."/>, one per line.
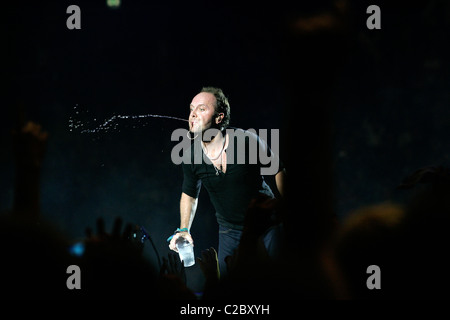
<point x="220" y="153"/>
<point x="218" y="170"/>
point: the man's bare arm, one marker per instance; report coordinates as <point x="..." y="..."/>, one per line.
<point x="188" y="207"/>
<point x="280" y="180"/>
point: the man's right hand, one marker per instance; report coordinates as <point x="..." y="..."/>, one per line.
<point x="185" y="235"/>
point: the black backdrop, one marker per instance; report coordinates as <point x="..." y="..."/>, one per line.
<point x="357" y="109"/>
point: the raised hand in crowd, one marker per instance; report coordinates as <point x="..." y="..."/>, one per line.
<point x="172" y="265"/>
<point x="209" y="264"/>
<point x="125" y="241"/>
<point x="172" y="279"/>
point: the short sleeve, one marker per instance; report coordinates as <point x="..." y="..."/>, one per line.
<point x="191" y="184"/>
<point x="269" y="161"/>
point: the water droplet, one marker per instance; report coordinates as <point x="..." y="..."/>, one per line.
<point x="112" y="123"/>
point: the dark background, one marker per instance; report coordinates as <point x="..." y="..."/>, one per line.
<point x="388" y="101"/>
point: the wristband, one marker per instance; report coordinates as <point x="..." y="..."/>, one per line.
<point x="176" y="231"/>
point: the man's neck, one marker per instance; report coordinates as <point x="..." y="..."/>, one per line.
<point x="216" y="141"/>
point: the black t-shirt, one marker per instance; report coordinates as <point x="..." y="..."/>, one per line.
<point x="230" y="192"/>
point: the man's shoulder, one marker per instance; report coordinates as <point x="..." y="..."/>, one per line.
<point x="238" y="132"/>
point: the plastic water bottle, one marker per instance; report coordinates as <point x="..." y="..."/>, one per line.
<point x="186" y="251"/>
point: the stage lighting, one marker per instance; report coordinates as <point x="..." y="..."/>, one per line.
<point x="114" y="4"/>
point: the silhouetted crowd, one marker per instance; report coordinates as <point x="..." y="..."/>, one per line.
<point x="406" y="242"/>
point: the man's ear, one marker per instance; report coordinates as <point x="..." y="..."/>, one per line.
<point x="219" y="118"/>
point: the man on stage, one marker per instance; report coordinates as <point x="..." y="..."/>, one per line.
<point x="230" y="182"/>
